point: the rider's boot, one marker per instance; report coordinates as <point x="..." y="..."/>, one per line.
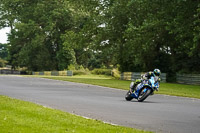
<point x="133" y="87"/>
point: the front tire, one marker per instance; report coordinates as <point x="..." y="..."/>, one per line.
<point x="128" y="96"/>
<point x="144" y="95"/>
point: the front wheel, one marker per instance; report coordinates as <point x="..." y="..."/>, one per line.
<point x="144" y="95"/>
<point x="128" y="96"/>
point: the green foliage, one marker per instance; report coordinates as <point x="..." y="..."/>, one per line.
<point x="71" y="67"/>
<point x="3" y="62"/>
<point x="101" y="71"/>
<point x="3" y="51"/>
<point x="141" y="36"/>
<point x="154" y="34"/>
<point x="116" y="73"/>
<point x="78" y="70"/>
<point x="35" y="38"/>
<point x="81" y="72"/>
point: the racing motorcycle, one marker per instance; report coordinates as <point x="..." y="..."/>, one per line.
<point x="143" y="89"/>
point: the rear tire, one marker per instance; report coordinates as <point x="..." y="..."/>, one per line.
<point x="128" y="96"/>
<point x="143" y="96"/>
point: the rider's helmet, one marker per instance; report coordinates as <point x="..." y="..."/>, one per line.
<point x="157" y="72"/>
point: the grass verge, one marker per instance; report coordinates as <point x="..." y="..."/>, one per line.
<point x="192" y="91"/>
<point x="24" y="117"/>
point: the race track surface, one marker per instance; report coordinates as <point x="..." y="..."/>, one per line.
<point x="158" y="113"/>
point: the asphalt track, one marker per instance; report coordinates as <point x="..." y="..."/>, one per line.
<point x="158" y="113"/>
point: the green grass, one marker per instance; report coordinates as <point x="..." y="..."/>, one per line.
<point x="24" y="117"/>
<point x="192" y="91"/>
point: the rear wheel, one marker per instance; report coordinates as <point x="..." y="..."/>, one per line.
<point x="143" y="95"/>
<point x="128" y="96"/>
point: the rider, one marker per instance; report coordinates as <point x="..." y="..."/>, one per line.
<point x="146" y="76"/>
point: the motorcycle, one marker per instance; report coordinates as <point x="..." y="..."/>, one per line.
<point x="143" y="89"/>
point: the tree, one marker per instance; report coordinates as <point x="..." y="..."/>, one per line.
<point x="3" y="51"/>
<point x="36" y="32"/>
<point x="137" y="35"/>
<point x="153" y="34"/>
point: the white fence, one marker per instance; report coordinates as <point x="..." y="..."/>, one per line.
<point x="8" y="71"/>
<point x="193" y="79"/>
<point x="54" y="73"/>
<point x="137" y="75"/>
<point x="188" y="79"/>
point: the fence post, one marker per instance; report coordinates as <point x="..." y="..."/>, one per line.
<point x="55" y="73"/>
<point x="122" y="76"/>
<point x="69" y="73"/>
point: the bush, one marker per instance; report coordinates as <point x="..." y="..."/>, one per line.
<point x="81" y="72"/>
<point x="2" y="62"/>
<point x="101" y="71"/>
<point x="116" y="73"/>
<point x="78" y="70"/>
<point x="71" y="67"/>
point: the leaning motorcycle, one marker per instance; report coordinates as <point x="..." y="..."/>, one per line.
<point x="143" y="89"/>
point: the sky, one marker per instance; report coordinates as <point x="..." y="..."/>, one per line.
<point x="3" y="35"/>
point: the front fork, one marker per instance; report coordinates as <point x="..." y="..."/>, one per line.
<point x="131" y="87"/>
